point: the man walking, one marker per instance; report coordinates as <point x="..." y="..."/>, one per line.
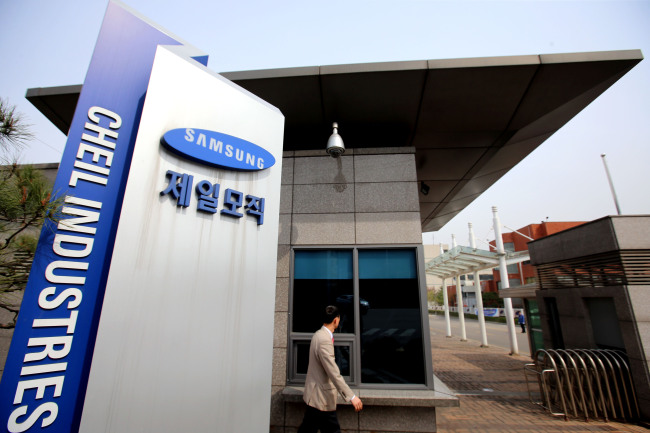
<point x="324" y="379"/>
<point x="522" y="321"/>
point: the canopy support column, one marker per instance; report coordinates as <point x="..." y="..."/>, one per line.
<point x="505" y="284"/>
<point x="459" y="300"/>
<point x="479" y="296"/>
<point x="445" y="298"/>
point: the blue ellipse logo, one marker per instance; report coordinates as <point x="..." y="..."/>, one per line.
<point x="217" y="149"/>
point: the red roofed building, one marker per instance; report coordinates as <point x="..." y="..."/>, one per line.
<point x="524" y="273"/>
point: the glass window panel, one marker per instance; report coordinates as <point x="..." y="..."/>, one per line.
<point x="391" y="326"/>
<point x="533" y="315"/>
<point x="341" y="354"/>
<point x="323" y="265"/>
<point x="302" y="357"/>
<point x="537" y="339"/>
<point x="322" y="278"/>
<point x="513" y="268"/>
<point x="387" y="264"/>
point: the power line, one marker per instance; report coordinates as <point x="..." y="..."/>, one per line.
<point x="48" y="145"/>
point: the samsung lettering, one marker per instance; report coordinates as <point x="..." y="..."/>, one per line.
<point x="217" y="149"/>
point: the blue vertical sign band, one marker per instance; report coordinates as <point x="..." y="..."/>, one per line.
<point x="45" y="377"/>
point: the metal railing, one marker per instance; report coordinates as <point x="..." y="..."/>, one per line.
<point x="589" y="383"/>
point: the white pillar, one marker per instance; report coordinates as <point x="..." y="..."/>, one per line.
<point x="459" y="299"/>
<point x="503" y="270"/>
<point x="461" y="309"/>
<point x="479" y="297"/>
<point x="445" y="298"/>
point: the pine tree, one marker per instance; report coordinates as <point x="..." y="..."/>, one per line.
<point x="14" y="132"/>
<point x="25" y="203"/>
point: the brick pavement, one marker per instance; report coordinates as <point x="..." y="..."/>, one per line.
<point x="492" y="391"/>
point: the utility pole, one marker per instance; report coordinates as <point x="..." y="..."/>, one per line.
<point x="611" y="184"/>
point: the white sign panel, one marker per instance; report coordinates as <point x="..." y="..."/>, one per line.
<point x="185" y="338"/>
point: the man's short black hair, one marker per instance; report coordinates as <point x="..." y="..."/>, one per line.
<point x="331" y="313"/>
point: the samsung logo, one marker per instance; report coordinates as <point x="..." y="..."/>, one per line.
<point x="217" y="149"/>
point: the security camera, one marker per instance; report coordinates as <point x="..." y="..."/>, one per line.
<point x="335" y="146"/>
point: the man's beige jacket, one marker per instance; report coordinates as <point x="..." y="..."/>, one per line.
<point x="323" y="375"/>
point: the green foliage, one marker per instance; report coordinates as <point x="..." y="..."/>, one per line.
<point x="439" y="298"/>
<point x="435" y="296"/>
<point x="24" y="205"/>
<point x="26" y="244"/>
<point x="492" y="300"/>
<point x="14" y="133"/>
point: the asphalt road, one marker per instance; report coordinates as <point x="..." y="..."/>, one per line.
<point x="497" y="333"/>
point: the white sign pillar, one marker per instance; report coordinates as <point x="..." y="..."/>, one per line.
<point x="185" y="339"/>
<point x="503" y="271"/>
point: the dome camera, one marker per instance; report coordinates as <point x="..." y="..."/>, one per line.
<point x="335" y="146"/>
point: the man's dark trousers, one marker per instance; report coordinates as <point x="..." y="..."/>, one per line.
<point x="314" y="420"/>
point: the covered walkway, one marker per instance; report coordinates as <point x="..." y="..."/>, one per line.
<point x="467" y="260"/>
<point x="460" y="260"/>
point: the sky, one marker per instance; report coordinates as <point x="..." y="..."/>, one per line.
<point x="48" y="43"/>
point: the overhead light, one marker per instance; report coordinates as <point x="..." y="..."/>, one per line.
<point x="424" y="188"/>
<point x="335" y="146"/>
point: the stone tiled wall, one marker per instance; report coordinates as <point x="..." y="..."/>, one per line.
<point x="365" y="197"/>
<point x="384" y="419"/>
<point x="359" y="198"/>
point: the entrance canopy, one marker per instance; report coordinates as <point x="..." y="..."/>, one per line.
<point x="466" y="260"/>
<point x="469" y="120"/>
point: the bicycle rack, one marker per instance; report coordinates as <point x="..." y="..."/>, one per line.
<point x="589" y="383"/>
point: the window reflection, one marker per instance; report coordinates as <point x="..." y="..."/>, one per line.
<point x="391" y="329"/>
<point x="322" y="278"/>
<point x="341" y="354"/>
<point x="390" y="341"/>
<point x="302" y="357"/>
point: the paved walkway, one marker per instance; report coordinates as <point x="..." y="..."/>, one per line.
<point x="492" y="391"/>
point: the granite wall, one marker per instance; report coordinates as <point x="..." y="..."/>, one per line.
<point x="364" y="197"/>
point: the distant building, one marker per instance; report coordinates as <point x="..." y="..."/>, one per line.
<point x="523" y="273"/>
<point x="431" y="251"/>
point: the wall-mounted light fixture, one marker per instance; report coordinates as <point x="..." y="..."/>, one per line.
<point x="335" y="146"/>
<point x="424" y="188"/>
